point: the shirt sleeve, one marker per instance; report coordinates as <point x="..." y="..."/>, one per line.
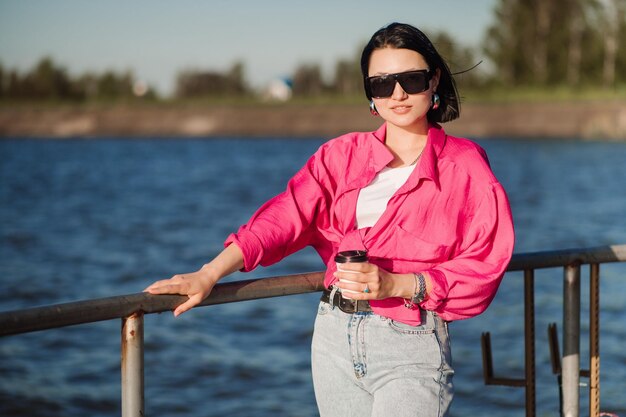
<point x="465" y="285"/>
<point x="286" y="223"/>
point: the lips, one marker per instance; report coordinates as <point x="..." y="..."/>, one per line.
<point x="401" y="109"/>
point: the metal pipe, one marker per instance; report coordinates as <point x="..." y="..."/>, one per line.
<point x="132" y="366"/>
<point x="529" y="341"/>
<point x="571" y="341"/>
<point x="89" y="311"/>
<point x="485" y="341"/>
<point x="553" y="259"/>
<point x="594" y="340"/>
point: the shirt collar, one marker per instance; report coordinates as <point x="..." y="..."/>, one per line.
<point x="380" y="156"/>
<point x="427" y="165"/>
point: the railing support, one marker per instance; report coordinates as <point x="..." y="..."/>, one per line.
<point x="594" y="340"/>
<point x="571" y="341"/>
<point x="529" y="341"/>
<point x="529" y="380"/>
<point x="132" y="366"/>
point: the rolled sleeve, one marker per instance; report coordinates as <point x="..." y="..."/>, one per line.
<point x="465" y="285"/>
<point x="284" y="224"/>
<point x="250" y="246"/>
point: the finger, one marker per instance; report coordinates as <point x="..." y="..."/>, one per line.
<point x="178" y="277"/>
<point x="357" y="295"/>
<point x="353" y="267"/>
<point x="165" y="289"/>
<point x="363" y="267"/>
<point x="155" y="284"/>
<point x="188" y="305"/>
<point x="355" y="286"/>
<point x="351" y="276"/>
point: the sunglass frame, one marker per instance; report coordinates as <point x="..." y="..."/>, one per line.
<point x="401" y="78"/>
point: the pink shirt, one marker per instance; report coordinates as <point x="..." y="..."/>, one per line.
<point x="451" y="219"/>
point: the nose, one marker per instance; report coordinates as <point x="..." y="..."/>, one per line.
<point x="398" y="92"/>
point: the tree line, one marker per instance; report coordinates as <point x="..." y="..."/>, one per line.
<point x="47" y="80"/>
<point x="530" y="43"/>
<point x="558" y="42"/>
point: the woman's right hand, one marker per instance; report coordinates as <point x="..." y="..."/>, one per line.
<point x="198" y="285"/>
<point x="195" y="285"/>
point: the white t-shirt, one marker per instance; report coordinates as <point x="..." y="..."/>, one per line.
<point x="373" y="199"/>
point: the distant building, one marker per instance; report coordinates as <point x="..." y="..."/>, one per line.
<point x="140" y="88"/>
<point x="278" y="89"/>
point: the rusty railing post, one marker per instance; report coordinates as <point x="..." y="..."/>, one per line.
<point x="594" y="340"/>
<point x="529" y="341"/>
<point x="132" y="366"/>
<point x="571" y="341"/>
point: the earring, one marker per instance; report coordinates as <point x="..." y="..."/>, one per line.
<point x="373" y="108"/>
<point x="436" y="101"/>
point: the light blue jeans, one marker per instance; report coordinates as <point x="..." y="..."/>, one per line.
<point x="368" y="365"/>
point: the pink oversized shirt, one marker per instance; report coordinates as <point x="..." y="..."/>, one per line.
<point x="450" y="219"/>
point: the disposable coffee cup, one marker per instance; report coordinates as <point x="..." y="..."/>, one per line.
<point x="349" y="256"/>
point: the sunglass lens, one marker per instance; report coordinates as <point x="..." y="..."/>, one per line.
<point x="382" y="86"/>
<point x="413" y="82"/>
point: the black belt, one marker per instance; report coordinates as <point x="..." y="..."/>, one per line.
<point x="345" y="304"/>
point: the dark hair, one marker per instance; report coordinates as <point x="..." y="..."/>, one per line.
<point x="404" y="36"/>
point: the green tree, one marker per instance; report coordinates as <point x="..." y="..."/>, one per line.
<point x="236" y="79"/>
<point x="459" y="58"/>
<point x="502" y="41"/>
<point x="307" y="80"/>
<point x="348" y="79"/>
<point x="620" y="60"/>
<point x="612" y="16"/>
<point x="47" y="81"/>
<point x="557" y="42"/>
<point x="111" y="85"/>
<point x="13" y="83"/>
<point x="576" y="30"/>
<point x="3" y="82"/>
<point x="196" y="83"/>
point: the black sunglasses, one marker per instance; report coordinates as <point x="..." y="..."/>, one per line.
<point x="412" y="82"/>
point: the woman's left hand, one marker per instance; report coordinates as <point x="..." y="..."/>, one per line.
<point x="366" y="281"/>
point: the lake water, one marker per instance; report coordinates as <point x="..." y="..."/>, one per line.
<point x="85" y="219"/>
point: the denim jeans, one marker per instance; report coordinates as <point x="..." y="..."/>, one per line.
<point x="367" y="365"/>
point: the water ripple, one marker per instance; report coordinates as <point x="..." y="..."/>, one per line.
<point x="86" y="219"/>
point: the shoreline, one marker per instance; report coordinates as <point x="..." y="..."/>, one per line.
<point x="585" y="120"/>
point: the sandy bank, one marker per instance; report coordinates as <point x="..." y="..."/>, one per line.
<point x="584" y="120"/>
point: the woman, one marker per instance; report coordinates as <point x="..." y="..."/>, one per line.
<point x="435" y="223"/>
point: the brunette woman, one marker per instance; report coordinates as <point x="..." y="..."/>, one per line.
<point x="425" y="208"/>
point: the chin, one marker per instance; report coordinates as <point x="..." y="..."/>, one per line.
<point x="407" y="120"/>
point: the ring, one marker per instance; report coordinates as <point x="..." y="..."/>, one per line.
<point x="367" y="289"/>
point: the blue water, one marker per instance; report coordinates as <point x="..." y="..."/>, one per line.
<point x="84" y="219"/>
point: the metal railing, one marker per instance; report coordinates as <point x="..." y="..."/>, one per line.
<point x="131" y="309"/>
<point x="568" y="369"/>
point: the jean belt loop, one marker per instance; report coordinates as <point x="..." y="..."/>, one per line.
<point x="332" y="297"/>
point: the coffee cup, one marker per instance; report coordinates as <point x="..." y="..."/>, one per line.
<point x="350" y="256"/>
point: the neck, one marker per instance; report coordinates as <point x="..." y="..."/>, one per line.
<point x="406" y="144"/>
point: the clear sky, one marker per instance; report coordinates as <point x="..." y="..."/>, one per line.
<point x="156" y="39"/>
